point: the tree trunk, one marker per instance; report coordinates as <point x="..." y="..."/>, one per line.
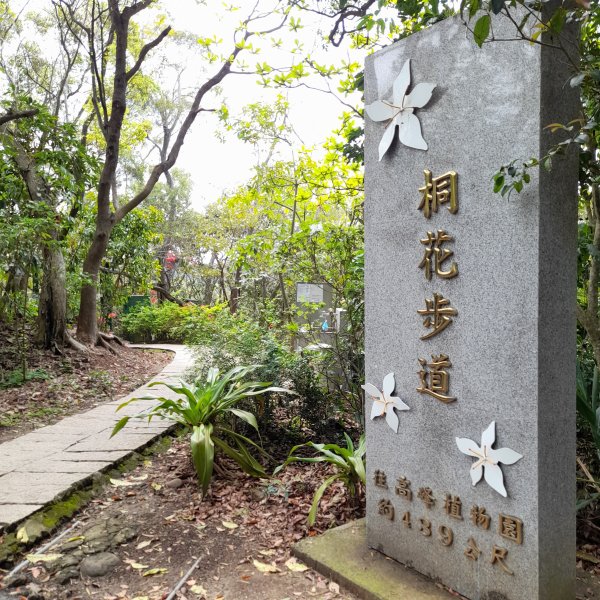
<point x="52" y="310"/>
<point x="87" y="321"/>
<point x="164" y="283"/>
<point x="234" y="294"/>
<point x="209" y="284"/>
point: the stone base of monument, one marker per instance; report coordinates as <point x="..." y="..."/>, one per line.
<point x="342" y="555"/>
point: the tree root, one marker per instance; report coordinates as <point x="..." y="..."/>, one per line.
<point x="111" y="337"/>
<point x="71" y="341"/>
<point x="100" y="341"/>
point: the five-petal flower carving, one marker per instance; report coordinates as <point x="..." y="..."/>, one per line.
<point x="400" y="112"/>
<point x="487" y="459"/>
<point x="384" y="403"/>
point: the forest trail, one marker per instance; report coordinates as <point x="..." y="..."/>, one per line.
<point x="42" y="466"/>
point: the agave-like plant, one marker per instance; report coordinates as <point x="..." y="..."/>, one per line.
<point x="349" y="463"/>
<point x="201" y="407"/>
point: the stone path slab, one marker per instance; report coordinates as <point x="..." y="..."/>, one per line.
<point x="43" y="465"/>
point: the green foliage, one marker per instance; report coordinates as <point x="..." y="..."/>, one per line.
<point x="481" y="29"/>
<point x="349" y="464"/>
<point x="203" y="407"/>
<point x="168" y="321"/>
<point x="129" y="265"/>
<point x="588" y="401"/>
<point x="227" y="341"/>
<point x="15" y="378"/>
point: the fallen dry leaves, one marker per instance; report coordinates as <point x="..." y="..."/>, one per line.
<point x="75" y="383"/>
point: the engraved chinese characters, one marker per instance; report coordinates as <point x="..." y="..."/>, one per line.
<point x="437" y="315"/>
<point x="470" y="299"/>
<point x="437" y="263"/>
<point x="441" y="518"/>
<point x="438" y="190"/>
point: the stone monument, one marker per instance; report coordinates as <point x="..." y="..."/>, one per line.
<point x="470" y="326"/>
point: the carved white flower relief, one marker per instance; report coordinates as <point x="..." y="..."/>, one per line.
<point x="384" y="403"/>
<point x="400" y="112"/>
<point x="487" y="459"/>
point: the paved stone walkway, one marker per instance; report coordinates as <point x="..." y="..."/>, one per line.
<point x="40" y="466"/>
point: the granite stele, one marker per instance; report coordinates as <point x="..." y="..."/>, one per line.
<point x="470" y="371"/>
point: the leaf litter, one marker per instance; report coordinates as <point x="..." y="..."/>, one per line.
<point x="243" y="533"/>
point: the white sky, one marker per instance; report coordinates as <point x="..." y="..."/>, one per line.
<point x="216" y="167"/>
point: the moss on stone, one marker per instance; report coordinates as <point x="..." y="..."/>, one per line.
<point x="44" y="522"/>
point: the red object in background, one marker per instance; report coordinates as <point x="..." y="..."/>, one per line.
<point x="153" y="296"/>
<point x="170" y="259"/>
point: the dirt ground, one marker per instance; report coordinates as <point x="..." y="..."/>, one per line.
<point x="68" y="384"/>
<point x="154" y="522"/>
<point x="139" y="536"/>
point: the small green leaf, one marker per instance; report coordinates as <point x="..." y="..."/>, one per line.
<point x="498" y="183"/>
<point x="312" y="515"/>
<point x="120" y="424"/>
<point x="481" y="29"/>
<point x="474" y="6"/>
<point x="203" y="454"/>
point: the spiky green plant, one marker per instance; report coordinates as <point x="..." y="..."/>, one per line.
<point x="202" y="406"/>
<point x="349" y="463"/>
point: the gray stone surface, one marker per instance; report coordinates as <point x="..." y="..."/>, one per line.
<point x="122" y="441"/>
<point x="38" y="467"/>
<point x="512" y="345"/>
<point x="365" y="572"/>
<point x="98" y="565"/>
<point x="109" y="456"/>
<point x="62" y="466"/>
<point x="35" y="488"/>
<point x="12" y="513"/>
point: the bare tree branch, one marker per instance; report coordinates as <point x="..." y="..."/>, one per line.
<point x="144" y="51"/>
<point x="20" y="114"/>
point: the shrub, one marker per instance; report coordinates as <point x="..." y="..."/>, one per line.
<point x="202" y="407"/>
<point x="15" y="378"/>
<point x="239" y="342"/>
<point x="167" y="322"/>
<point x="226" y="341"/>
<point x="349" y="463"/>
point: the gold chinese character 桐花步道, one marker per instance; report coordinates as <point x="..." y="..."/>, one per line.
<point x="479" y="517"/>
<point x="426" y="495"/>
<point x="453" y="506"/>
<point x="403" y="488"/>
<point x="380" y="479"/>
<point x="435" y="256"/>
<point x="437" y="313"/>
<point x="510" y="528"/>
<point x="435" y="380"/>
<point x="439" y="190"/>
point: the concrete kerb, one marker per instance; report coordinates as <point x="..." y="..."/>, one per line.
<point x="341" y="554"/>
<point x="45" y="519"/>
<point x="75" y="451"/>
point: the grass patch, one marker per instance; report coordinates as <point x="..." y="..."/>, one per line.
<point x="12" y="419"/>
<point x="15" y="378"/>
